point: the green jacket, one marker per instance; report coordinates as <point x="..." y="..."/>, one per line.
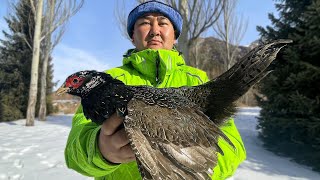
<point x="157" y="68"/>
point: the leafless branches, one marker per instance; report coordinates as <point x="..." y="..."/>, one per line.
<point x="56" y="15"/>
<point x="230" y="29"/>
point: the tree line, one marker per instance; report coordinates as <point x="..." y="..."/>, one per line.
<point x="290" y="115"/>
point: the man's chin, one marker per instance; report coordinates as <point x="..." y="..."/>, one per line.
<point x="154" y="47"/>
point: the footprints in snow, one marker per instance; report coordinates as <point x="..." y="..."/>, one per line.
<point x="48" y="163"/>
<point x="16" y="158"/>
<point x="11" y="176"/>
<point x="18" y="163"/>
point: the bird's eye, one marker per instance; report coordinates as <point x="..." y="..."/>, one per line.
<point x="75" y="80"/>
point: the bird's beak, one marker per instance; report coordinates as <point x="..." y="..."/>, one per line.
<point x="63" y="89"/>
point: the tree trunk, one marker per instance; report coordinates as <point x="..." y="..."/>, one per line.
<point x="35" y="66"/>
<point x="43" y="89"/>
<point x="184" y="39"/>
<point x="48" y="46"/>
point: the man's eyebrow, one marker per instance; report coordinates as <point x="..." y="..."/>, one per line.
<point x="144" y="17"/>
<point x="162" y="18"/>
<point x="150" y="16"/>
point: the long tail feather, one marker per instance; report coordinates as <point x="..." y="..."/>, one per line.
<point x="219" y="94"/>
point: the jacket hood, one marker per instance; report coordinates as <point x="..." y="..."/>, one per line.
<point x="154" y="64"/>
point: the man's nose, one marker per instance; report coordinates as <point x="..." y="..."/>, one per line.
<point x="155" y="30"/>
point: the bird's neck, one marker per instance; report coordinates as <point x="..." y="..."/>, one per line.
<point x="91" y="86"/>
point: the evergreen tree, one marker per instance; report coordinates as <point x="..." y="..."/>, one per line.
<point x="15" y="64"/>
<point x="290" y="115"/>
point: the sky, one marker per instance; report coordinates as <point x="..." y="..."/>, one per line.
<point x="93" y="39"/>
<point x="39" y="153"/>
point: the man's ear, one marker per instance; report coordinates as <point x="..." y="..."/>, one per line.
<point x="132" y="37"/>
<point x="132" y="40"/>
<point x="175" y="35"/>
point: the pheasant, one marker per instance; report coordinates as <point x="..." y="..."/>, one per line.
<point x="173" y="131"/>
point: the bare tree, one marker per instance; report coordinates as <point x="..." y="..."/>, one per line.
<point x="48" y="20"/>
<point x="57" y="14"/>
<point x="230" y="28"/>
<point x="37" y="7"/>
<point x="195" y="55"/>
<point x="121" y="17"/>
<point x="198" y="16"/>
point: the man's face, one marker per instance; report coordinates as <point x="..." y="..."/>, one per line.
<point x="153" y="31"/>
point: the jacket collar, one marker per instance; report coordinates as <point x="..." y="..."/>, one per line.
<point x="154" y="64"/>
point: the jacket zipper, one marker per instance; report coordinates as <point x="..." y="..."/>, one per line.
<point x="157" y="70"/>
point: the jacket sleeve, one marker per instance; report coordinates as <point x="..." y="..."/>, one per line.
<point x="229" y="162"/>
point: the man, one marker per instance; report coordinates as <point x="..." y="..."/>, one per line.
<point x="104" y="151"/>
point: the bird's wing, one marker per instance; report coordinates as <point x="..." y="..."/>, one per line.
<point x="172" y="143"/>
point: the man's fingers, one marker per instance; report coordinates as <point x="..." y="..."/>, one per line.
<point x="113" y="141"/>
<point x="110" y="125"/>
<point x="120" y="138"/>
<point x="127" y="152"/>
<point x="122" y="155"/>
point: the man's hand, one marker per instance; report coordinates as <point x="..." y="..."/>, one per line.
<point x="113" y="142"/>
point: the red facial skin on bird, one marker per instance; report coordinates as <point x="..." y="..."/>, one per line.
<point x="74" y="82"/>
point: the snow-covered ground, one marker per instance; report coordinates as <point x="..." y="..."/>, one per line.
<point x="262" y="164"/>
<point x="34" y="153"/>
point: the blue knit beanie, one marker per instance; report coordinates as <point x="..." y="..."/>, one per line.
<point x="155" y="7"/>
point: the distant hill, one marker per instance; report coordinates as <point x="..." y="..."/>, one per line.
<point x="207" y="55"/>
<point x="65" y="103"/>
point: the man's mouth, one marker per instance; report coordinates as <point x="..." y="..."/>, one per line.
<point x="153" y="41"/>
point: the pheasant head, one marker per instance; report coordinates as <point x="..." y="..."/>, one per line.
<point x="81" y="83"/>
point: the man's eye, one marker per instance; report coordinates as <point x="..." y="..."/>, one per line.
<point x="144" y="23"/>
<point x="163" y="23"/>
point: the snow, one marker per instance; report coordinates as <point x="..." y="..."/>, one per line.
<point x="260" y="163"/>
<point x="37" y="152"/>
